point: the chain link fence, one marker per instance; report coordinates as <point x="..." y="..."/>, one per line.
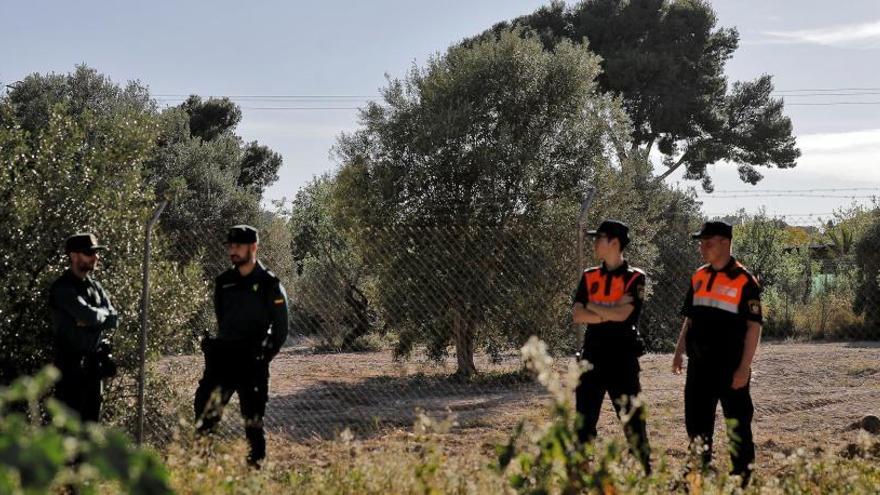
<point x="420" y="318"/>
<point x="388" y="321"/>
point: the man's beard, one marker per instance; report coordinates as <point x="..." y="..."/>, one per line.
<point x="86" y="267"/>
<point x="237" y="261"/>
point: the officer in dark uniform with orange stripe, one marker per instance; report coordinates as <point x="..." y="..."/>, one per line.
<point x="720" y="334"/>
<point x="609" y="299"/>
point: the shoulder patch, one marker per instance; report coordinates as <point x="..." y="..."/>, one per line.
<point x="755" y="307"/>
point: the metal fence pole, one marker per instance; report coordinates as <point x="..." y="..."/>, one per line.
<point x="145" y="312"/>
<point x="582" y="217"/>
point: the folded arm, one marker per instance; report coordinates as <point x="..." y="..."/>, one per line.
<point x="74" y="305"/>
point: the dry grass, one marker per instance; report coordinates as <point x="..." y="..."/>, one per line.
<point x="807" y="397"/>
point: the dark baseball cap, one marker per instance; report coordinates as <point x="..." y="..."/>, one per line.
<point x="82" y="242"/>
<point x="242" y="234"/>
<point x="713" y="228"/>
<point x="613" y="229"/>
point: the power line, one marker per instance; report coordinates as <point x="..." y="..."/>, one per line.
<point x="834" y="189"/>
<point x="831" y="94"/>
<point x="829" y="104"/>
<point x="300" y="108"/>
<point x="816" y="91"/>
<point x="296" y="108"/>
<point x="835" y="103"/>
<point x="786" y="215"/>
<point x="825" y="89"/>
<point x="783" y="195"/>
<point x="284" y="96"/>
<point x="338" y="98"/>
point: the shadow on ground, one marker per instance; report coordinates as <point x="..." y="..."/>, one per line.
<point x="371" y="406"/>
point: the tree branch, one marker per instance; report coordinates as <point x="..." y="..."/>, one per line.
<point x="672" y="168"/>
<point x="650" y="144"/>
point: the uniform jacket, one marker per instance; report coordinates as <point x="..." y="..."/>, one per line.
<point x="607" y="287"/>
<point x="81" y="313"/>
<point x="252" y="309"/>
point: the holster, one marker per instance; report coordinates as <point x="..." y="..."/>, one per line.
<point x="99" y="363"/>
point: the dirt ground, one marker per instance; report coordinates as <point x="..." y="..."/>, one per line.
<point x="806" y="395"/>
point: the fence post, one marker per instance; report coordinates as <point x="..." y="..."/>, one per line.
<point x="582" y="217"/>
<point x="145" y="312"/>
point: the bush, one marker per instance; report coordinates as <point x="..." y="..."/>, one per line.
<point x="35" y="457"/>
<point x="82" y="173"/>
<point x="867" y="300"/>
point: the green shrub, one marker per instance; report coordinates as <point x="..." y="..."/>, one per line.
<point x="42" y="449"/>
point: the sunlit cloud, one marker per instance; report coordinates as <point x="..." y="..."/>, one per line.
<point x="862" y="36"/>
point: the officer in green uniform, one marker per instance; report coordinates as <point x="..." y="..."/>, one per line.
<point x="251" y="309"/>
<point x="81" y="316"/>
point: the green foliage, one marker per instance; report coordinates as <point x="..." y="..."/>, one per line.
<point x="35" y="457"/>
<point x="759" y="243"/>
<point x="34" y="100"/>
<point x="212" y="200"/>
<point x="82" y="171"/>
<point x="223" y="181"/>
<point x="784" y="271"/>
<point x="848" y="226"/>
<point x="330" y="279"/>
<point x="867" y="260"/>
<point x="259" y="167"/>
<point x="63" y="183"/>
<point x="210" y="119"/>
<point x="810" y="287"/>
<point x="550" y="458"/>
<point x="661" y="221"/>
<point x="665" y="59"/>
<point x="477" y="140"/>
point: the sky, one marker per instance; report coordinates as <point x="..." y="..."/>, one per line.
<point x="333" y="56"/>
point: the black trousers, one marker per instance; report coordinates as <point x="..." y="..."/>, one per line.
<point x="619" y="378"/>
<point x="229" y="369"/>
<point x="77" y="388"/>
<point x="704" y="388"/>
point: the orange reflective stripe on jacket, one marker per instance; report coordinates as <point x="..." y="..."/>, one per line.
<point x="724" y="293"/>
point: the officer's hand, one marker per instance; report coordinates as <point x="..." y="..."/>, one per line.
<point x="741" y="378"/>
<point x="111" y="321"/>
<point x="626" y="299"/>
<point x="677" y="363"/>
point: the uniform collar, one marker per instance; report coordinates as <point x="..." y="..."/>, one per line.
<point x="617" y="271"/>
<point x="728" y="269"/>
<point x="73" y="278"/>
<point x="258" y="267"/>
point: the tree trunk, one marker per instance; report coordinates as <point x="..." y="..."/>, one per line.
<point x="360" y="326"/>
<point x="464" y="347"/>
